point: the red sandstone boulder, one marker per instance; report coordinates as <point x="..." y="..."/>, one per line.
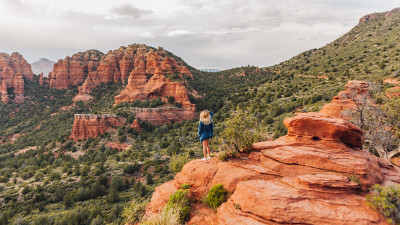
<point x="301" y="178"/>
<point x="355" y="91"/>
<point x="90" y="125"/>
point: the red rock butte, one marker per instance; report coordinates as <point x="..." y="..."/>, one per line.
<point x="73" y="70"/>
<point x="87" y="126"/>
<point x="301" y="178"/>
<point x="13" y="70"/>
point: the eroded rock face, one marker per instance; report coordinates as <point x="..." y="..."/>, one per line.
<point x="13" y="69"/>
<point x="135" y="125"/>
<point x="161" y="116"/>
<point x="90" y="125"/>
<point x="73" y="70"/>
<point x="139" y="63"/>
<point x="355" y="90"/>
<point x="301" y="178"/>
<point x="139" y="88"/>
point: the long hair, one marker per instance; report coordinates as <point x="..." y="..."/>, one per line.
<point x="205" y="117"/>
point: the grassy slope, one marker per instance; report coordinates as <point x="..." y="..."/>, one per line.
<point x="369" y="51"/>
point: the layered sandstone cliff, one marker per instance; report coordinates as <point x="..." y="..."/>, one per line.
<point x="139" y="63"/>
<point x="316" y="174"/>
<point x="13" y="70"/>
<point x="141" y="88"/>
<point x="73" y="70"/>
<point x="92" y="125"/>
<point x="164" y="115"/>
<point x="356" y="91"/>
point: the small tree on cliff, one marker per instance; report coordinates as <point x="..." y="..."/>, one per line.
<point x="240" y="130"/>
<point x="380" y="123"/>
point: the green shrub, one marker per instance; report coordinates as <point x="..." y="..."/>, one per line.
<point x="216" y="196"/>
<point x="223" y="155"/>
<point x="185" y="186"/>
<point x="241" y="129"/>
<point x="180" y="201"/>
<point x="178" y="161"/>
<point x="386" y="201"/>
<point x="134" y="212"/>
<point x="169" y="216"/>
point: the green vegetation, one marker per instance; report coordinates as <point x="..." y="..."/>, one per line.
<point x="185" y="186"/>
<point x="178" y="161"/>
<point x="370" y="51"/>
<point x="216" y="196"/>
<point x="179" y="201"/>
<point x="386" y="201"/>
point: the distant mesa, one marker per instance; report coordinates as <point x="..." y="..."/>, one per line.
<point x="44" y="66"/>
<point x="13" y="70"/>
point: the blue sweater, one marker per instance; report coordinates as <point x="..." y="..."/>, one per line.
<point x="206" y="131"/>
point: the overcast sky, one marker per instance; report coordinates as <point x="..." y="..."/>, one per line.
<point x="205" y="33"/>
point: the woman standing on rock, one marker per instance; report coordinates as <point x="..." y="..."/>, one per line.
<point x="206" y="129"/>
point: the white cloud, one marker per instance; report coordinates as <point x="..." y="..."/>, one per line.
<point x="205" y="33"/>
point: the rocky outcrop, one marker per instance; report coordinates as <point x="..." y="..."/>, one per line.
<point x="91" y="125"/>
<point x="5" y="98"/>
<point x="355" y="91"/>
<point x="41" y="81"/>
<point x="73" y="70"/>
<point x="135" y="125"/>
<point x="13" y="70"/>
<point x="161" y="116"/>
<point x="18" y="84"/>
<point x="139" y="88"/>
<point x="136" y="62"/>
<point x="316" y="174"/>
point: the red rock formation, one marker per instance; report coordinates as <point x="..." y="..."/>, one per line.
<point x="73" y="70"/>
<point x="20" y="65"/>
<point x="355" y="90"/>
<point x="19" y="88"/>
<point x="161" y="116"/>
<point x="41" y="79"/>
<point x="4" y="93"/>
<point x="13" y="69"/>
<point x="89" y="125"/>
<point x="301" y="178"/>
<point x="135" y="125"/>
<point x="138" y="62"/>
<point x="157" y="86"/>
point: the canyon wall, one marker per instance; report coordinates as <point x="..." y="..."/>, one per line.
<point x="73" y="70"/>
<point x="87" y="126"/>
<point x="13" y="70"/>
